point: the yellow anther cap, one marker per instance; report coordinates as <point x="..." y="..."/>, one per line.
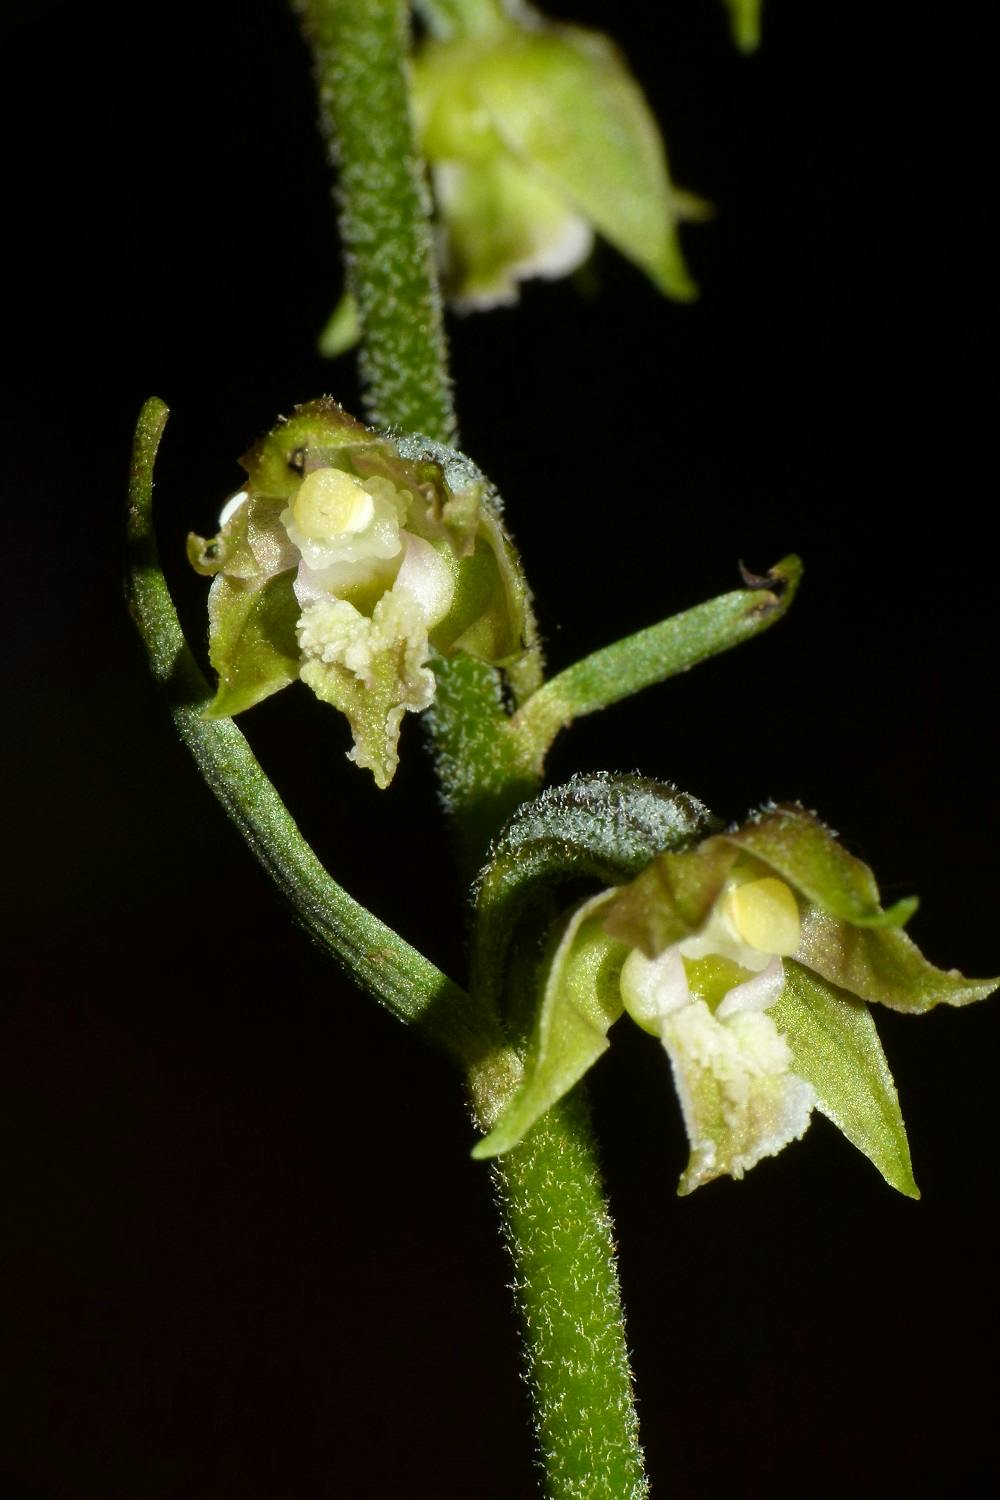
<point x="766" y="915"/>
<point x="331" y="503"/>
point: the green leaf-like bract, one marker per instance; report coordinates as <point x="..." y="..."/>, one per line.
<point x="650" y="656"/>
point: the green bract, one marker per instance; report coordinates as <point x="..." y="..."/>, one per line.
<point x="537" y="136"/>
<point x="752" y="956"/>
<point x="347" y="560"/>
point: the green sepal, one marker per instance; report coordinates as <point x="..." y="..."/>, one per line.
<point x="600" y="827"/>
<point x="562" y="100"/>
<point x="882" y="965"/>
<point x="836" y="1048"/>
<point x="252" y="641"/>
<point x="581" y="1000"/>
<point x="805" y="853"/>
<point x="673" y="898"/>
<point x="311" y="438"/>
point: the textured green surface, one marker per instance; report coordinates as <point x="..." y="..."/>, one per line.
<point x="883" y="965"/>
<point x="481" y="774"/>
<point x="561" y="1241"/>
<point x="359" y="48"/>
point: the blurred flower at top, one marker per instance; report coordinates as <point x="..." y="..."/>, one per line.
<point x="538" y="138"/>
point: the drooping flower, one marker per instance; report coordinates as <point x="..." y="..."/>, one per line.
<point x="753" y="956"/>
<point x="346" y="561"/>
<point x="538" y="138"/>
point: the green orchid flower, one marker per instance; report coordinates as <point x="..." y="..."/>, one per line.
<point x="346" y="561"/>
<point x="753" y="957"/>
<point x="538" y="138"/>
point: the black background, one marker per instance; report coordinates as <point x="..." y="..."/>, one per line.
<point x="245" y="1252"/>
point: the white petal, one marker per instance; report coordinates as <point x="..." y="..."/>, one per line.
<point x="426" y="577"/>
<point x="654" y="987"/>
<point x="754" y="994"/>
<point x="231" y="506"/>
<point x="340" y="578"/>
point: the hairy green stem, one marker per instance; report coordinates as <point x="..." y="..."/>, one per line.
<point x="561" y="1241"/>
<point x="359" y="49"/>
<point x="481" y="772"/>
<point x="554" y="1217"/>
